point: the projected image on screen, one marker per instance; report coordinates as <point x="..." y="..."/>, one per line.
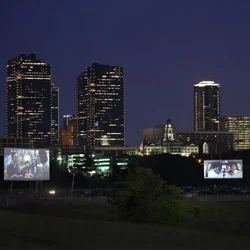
<point x="26" y="164"/>
<point x="223" y="169"/>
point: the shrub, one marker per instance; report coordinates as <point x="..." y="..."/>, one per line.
<point x="205" y="212"/>
<point x="142" y="199"/>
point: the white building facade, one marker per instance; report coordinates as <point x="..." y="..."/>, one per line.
<point x="169" y="145"/>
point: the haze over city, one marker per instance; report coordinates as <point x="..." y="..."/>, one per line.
<point x="165" y="47"/>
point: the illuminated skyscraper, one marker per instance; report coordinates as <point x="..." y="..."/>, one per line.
<point x="31" y="100"/>
<point x="206" y="106"/>
<point x="54" y="115"/>
<point x="240" y="126"/>
<point x="100" y="106"/>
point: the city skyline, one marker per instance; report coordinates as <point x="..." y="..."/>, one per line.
<point x="163" y="56"/>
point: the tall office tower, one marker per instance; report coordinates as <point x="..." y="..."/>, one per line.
<point x="100" y="106"/>
<point x="29" y="98"/>
<point x="68" y="120"/>
<point x="240" y="126"/>
<point x="206" y="106"/>
<point x="54" y="115"/>
<point x="68" y="133"/>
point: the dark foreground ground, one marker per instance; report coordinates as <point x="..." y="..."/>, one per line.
<point x="35" y="231"/>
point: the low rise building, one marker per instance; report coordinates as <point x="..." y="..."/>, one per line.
<point x="168" y="144"/>
<point x="209" y="142"/>
<point x="114" y="151"/>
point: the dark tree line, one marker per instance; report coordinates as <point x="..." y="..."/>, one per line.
<point x="174" y="169"/>
<point x="178" y="170"/>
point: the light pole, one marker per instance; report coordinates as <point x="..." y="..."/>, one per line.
<point x="73" y="183"/>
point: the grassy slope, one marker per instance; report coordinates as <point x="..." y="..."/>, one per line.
<point x="24" y="231"/>
<point x="234" y="219"/>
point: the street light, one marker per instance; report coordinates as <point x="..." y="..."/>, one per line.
<point x="52" y="192"/>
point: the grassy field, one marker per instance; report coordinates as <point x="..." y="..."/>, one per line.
<point x="234" y="220"/>
<point x="24" y="231"/>
<point x="81" y="212"/>
<point x="93" y="227"/>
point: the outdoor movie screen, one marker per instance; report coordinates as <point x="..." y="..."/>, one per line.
<point x="22" y="164"/>
<point x="223" y="169"/>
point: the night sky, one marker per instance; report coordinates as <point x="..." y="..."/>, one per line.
<point x="165" y="47"/>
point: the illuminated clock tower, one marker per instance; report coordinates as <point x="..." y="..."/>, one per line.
<point x="169" y="131"/>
